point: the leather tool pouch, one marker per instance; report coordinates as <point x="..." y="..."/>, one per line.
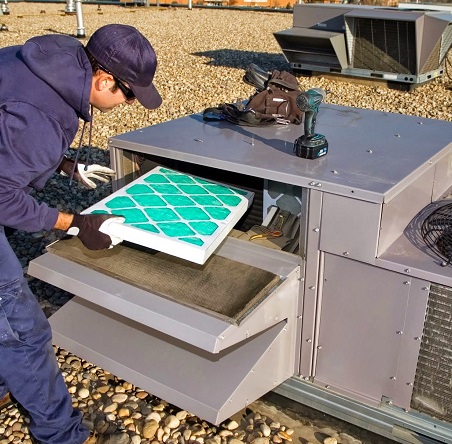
<point x="275" y="101"/>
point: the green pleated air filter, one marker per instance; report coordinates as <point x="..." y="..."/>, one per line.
<point x="180" y="214"/>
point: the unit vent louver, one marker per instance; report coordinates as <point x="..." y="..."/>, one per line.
<point x="446" y="42"/>
<point x="432" y="389"/>
<point x="384" y="45"/>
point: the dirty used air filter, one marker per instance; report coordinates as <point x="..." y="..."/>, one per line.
<point x="436" y="230"/>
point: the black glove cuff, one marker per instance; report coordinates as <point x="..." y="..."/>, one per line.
<point x="88" y="226"/>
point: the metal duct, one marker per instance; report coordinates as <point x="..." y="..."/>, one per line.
<point x="313" y="47"/>
<point x="398" y="45"/>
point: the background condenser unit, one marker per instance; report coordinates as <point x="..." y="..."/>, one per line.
<point x="400" y="45"/>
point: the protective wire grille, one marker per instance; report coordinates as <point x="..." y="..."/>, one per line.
<point x="432" y="391"/>
<point x="436" y="230"/>
<point x="384" y="45"/>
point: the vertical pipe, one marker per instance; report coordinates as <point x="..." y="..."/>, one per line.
<point x="80" y="26"/>
<point x="4" y="8"/>
<point x="70" y="7"/>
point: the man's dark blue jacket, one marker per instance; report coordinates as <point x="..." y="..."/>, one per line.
<point x="45" y="87"/>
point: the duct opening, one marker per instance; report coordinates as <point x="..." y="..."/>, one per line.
<point x="313" y="47"/>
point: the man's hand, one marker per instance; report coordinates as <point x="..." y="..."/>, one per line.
<point x="83" y="174"/>
<point x="91" y="229"/>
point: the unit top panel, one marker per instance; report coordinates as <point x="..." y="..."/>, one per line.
<point x="372" y="155"/>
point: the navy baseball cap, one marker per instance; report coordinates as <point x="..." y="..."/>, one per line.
<point x="129" y="56"/>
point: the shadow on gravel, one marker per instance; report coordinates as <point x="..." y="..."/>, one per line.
<point x="55" y="31"/>
<point x="347" y="433"/>
<point x="232" y="58"/>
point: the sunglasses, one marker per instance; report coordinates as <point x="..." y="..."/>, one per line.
<point x="128" y="93"/>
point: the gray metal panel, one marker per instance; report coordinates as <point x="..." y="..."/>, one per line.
<point x="310" y="16"/>
<point x="340" y="49"/>
<point x="363" y="309"/>
<point x="398" y="212"/>
<point x="350" y="227"/>
<point x="386" y="14"/>
<point x="326" y="17"/>
<point x="409" y="254"/>
<point x="310" y="33"/>
<point x="361" y="162"/>
<point x="274" y="261"/>
<point x="432" y="31"/>
<point x="303" y="240"/>
<point x="311" y="280"/>
<point x="169" y="317"/>
<point x="411" y="342"/>
<point x="313" y="46"/>
<point x="219" y="385"/>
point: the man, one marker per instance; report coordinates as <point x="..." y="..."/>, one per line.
<point x="46" y="86"/>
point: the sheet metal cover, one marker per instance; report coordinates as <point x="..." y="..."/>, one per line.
<point x="177" y="213"/>
<point x="227" y="289"/>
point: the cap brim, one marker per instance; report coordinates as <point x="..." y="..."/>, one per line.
<point x="148" y="96"/>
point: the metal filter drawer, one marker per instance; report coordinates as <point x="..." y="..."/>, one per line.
<point x="227" y="326"/>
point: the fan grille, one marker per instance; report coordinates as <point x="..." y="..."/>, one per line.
<point x="436" y="231"/>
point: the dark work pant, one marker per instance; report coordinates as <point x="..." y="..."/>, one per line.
<point x="28" y="367"/>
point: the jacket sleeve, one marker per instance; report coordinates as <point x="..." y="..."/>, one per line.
<point x="31" y="147"/>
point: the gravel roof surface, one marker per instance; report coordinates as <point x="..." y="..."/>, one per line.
<point x="202" y="56"/>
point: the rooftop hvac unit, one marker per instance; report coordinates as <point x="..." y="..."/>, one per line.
<point x="407" y="46"/>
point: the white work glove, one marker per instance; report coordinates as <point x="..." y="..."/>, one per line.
<point x="92" y="230"/>
<point x="84" y="174"/>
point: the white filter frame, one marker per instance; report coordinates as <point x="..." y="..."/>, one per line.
<point x="173" y="245"/>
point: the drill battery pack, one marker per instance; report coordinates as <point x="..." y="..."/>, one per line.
<point x="312" y="147"/>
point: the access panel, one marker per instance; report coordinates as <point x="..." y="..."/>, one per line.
<point x="371" y="323"/>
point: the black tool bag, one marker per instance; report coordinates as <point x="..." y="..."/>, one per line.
<point x="273" y="102"/>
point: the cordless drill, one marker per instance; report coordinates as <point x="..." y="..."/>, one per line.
<point x="310" y="145"/>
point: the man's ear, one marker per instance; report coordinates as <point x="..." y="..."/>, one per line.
<point x="103" y="81"/>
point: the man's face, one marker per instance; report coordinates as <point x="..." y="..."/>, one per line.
<point x="105" y="94"/>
